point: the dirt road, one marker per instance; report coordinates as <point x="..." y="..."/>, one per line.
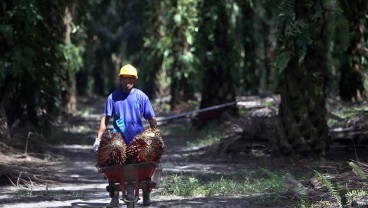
<point x="79" y="184"/>
<point x="82" y="186"/>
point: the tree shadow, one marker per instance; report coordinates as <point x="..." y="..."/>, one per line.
<point x="88" y="204"/>
<point x="263" y="200"/>
<point x="29" y="195"/>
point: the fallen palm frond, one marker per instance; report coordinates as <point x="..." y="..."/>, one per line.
<point x="26" y="174"/>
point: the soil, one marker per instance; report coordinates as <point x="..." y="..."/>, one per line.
<point x="71" y="180"/>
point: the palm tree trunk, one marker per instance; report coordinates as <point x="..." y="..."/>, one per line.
<point x="4" y="127"/>
<point x="251" y="81"/>
<point x="218" y="86"/>
<point x="71" y="92"/>
<point x="351" y="83"/>
<point x="302" y="125"/>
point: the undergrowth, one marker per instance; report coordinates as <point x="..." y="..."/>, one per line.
<point x="182" y="185"/>
<point x="342" y="197"/>
<point x="345" y="113"/>
<point x="209" y="135"/>
<point x="50" y="194"/>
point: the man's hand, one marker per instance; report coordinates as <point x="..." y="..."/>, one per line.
<point x="96" y="145"/>
<point x="153" y="122"/>
<point x="103" y="123"/>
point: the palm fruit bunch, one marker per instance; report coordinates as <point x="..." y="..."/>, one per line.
<point x="112" y="150"/>
<point x="147" y="146"/>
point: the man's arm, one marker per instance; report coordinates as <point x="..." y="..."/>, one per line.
<point x="153" y="122"/>
<point x="101" y="130"/>
<point x="103" y="126"/>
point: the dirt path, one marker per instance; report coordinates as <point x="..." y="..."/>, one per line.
<point x="83" y="187"/>
<point x="80" y="185"/>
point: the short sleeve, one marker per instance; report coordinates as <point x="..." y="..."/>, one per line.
<point x="148" y="112"/>
<point x="109" y="107"/>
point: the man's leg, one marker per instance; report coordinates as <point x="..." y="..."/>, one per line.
<point x="130" y="191"/>
<point x="114" y="200"/>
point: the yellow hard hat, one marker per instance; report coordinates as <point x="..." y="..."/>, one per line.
<point x="128" y="70"/>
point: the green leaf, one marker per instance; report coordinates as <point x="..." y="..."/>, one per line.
<point x="282" y="60"/>
<point x="177" y="19"/>
<point x="7" y="31"/>
<point x="358" y="170"/>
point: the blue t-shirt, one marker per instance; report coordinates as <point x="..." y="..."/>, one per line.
<point x="127" y="111"/>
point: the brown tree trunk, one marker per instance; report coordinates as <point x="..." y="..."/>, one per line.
<point x="152" y="62"/>
<point x="218" y="82"/>
<point x="71" y="94"/>
<point x="302" y="113"/>
<point x="251" y="81"/>
<point x="4" y="127"/>
<point x="179" y="87"/>
<point x="70" y="98"/>
<point x="351" y="83"/>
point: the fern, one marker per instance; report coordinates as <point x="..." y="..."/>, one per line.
<point x="295" y="33"/>
<point x="342" y="33"/>
<point x="358" y="170"/>
<point x="270" y="173"/>
<point x="338" y="25"/>
<point x="357" y="193"/>
<point x="331" y="188"/>
<point x="353" y="194"/>
<point x="303" y="202"/>
<point x="285" y="17"/>
<point x="281" y="60"/>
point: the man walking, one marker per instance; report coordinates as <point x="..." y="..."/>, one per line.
<point x="126" y="106"/>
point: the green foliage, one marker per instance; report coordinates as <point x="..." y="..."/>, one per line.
<point x="281" y="61"/>
<point x="208" y="135"/>
<point x="48" y="194"/>
<point x="347" y="113"/>
<point x="181" y="51"/>
<point x="192" y="186"/>
<point x="358" y="170"/>
<point x="294" y="32"/>
<point x="216" y="52"/>
<point x="73" y="56"/>
<point x="339" y="193"/>
<point x="171" y="60"/>
<point x="338" y="36"/>
<point x="341" y="31"/>
<point x="357" y="193"/>
<point x="177" y="185"/>
<point x="334" y="190"/>
<point x="207" y="140"/>
<point x="179" y="47"/>
<point x="30" y="68"/>
<point x="351" y="52"/>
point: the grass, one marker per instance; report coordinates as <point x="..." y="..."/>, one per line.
<point x="319" y="204"/>
<point x="339" y="193"/>
<point x="209" y="135"/>
<point x="207" y="140"/>
<point x="192" y="186"/>
<point x="345" y="113"/>
<point x="26" y="192"/>
<point x="54" y="158"/>
<point x="50" y="194"/>
<point x="174" y="130"/>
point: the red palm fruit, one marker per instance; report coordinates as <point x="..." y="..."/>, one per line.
<point x="112" y="150"/>
<point x="134" y="148"/>
<point x="154" y="147"/>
